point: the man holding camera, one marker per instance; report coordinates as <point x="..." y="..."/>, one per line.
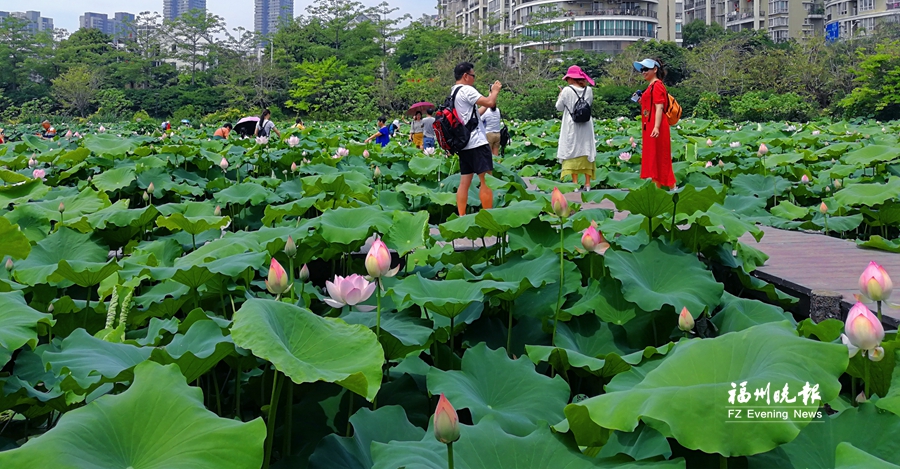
<point x="476" y="157"/>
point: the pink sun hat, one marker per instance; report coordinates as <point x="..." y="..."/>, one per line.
<point x="576" y="72"/>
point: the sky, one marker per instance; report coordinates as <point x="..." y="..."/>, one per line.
<point x="236" y="12"/>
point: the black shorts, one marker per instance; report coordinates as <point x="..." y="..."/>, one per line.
<point x="477" y="160"/>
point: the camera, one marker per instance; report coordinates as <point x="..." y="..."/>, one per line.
<point x="636" y="97"/>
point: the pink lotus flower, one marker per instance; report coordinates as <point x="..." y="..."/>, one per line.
<point x="69" y="133"/>
<point x="685" y="320"/>
<point x="277" y="282"/>
<point x="365" y="153"/>
<point x="262" y="140"/>
<point x="593" y="240"/>
<point x="342" y="152"/>
<point x="9" y="263"/>
<point x="721" y="164"/>
<point x="446" y="422"/>
<point x="837" y="184"/>
<point x="609" y="142"/>
<point x="863" y="332"/>
<point x="294" y="167"/>
<point x="763" y="149"/>
<point x="38" y="174"/>
<point x="349" y="291"/>
<point x="625" y="156"/>
<point x="709" y="142"/>
<point x="823" y="209"/>
<point x="804" y="179"/>
<point x="875" y="283"/>
<point x="77" y="135"/>
<point x="293" y="141"/>
<point x="559" y="203"/>
<point x="429" y="151"/>
<point x="61" y="208"/>
<point x="816" y="132"/>
<point x="101" y="129"/>
<point x="631" y="140"/>
<point x="31" y="162"/>
<point x="378" y="261"/>
<point x="223" y="164"/>
<point x="709" y="164"/>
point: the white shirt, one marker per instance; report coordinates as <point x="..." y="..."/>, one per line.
<point x="575" y="139"/>
<point x="491" y="120"/>
<point x="465" y="106"/>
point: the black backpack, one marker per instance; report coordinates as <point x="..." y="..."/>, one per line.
<point x="504" y="138"/>
<point x="450" y="132"/>
<point x="581" y="112"/>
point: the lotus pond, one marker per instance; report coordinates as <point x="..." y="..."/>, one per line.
<point x="181" y="302"/>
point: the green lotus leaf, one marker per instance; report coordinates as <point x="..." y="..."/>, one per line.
<point x="487" y="446"/>
<point x="386" y="424"/>
<point x="869" y="154"/>
<point x="121" y="431"/>
<point x="764" y="187"/>
<point x="353" y="225"/>
<point x="18" y="193"/>
<point x="645" y="443"/>
<point x="35" y="142"/>
<point x="401" y="333"/>
<point x="13" y="242"/>
<point x="738" y="314"/>
<point x="490" y="383"/>
<point x="703" y="371"/>
<point x="114" y="179"/>
<point x="584" y="343"/>
<point x="407" y="231"/>
<point x="73" y="158"/>
<point x="108" y="144"/>
<point x="296" y="208"/>
<point x="445" y="297"/>
<point x="692" y="199"/>
<point x="192" y="225"/>
<point x="89" y="361"/>
<point x="197" y="350"/>
<point x="848" y="456"/>
<point x="247" y="192"/>
<point x="12" y="177"/>
<point x="540" y="234"/>
<point x="789" y="211"/>
<point x="527" y="273"/>
<point x="840" y="224"/>
<point x="462" y="227"/>
<point x="514" y="215"/>
<point x="45" y="257"/>
<point x="781" y="159"/>
<point x="86" y="274"/>
<point x="659" y="274"/>
<point x="719" y="219"/>
<point x="605" y="299"/>
<point x="19" y="322"/>
<point x="868" y="194"/>
<point x="648" y="200"/>
<point x="877" y="242"/>
<point x="424" y="165"/>
<point x="308" y="348"/>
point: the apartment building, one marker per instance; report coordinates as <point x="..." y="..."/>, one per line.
<point x="782" y="19"/>
<point x="118" y="26"/>
<point x="270" y="14"/>
<point x="174" y="8"/>
<point x="848" y="19"/>
<point x="607" y="26"/>
<point x="35" y="22"/>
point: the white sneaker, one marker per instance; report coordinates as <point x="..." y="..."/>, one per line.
<point x="577" y="190"/>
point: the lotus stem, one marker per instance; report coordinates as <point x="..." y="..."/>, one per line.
<point x="723" y="462"/>
<point x="866" y="383"/>
<point x="288" y="418"/>
<point x="853" y="392"/>
<point x="561" y="279"/>
<point x="450" y="455"/>
<point x="509" y="307"/>
<point x="451" y="334"/>
<point x="826" y="233"/>
<point x="218" y="393"/>
<point x="879" y="310"/>
<point x="291" y="276"/>
<point x="237" y="393"/>
<point x="270" y="424"/>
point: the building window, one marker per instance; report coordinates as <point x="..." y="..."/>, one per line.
<point x="843" y="8"/>
<point x="866" y="5"/>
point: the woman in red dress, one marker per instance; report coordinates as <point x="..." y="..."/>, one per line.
<point x="656" y="141"/>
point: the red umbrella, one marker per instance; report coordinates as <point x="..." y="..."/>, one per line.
<point x="419" y="107"/>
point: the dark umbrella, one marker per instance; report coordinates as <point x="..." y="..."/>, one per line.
<point x="419" y="107"/>
<point x="246" y="126"/>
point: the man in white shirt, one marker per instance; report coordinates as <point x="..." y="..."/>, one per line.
<point x="476" y="157"/>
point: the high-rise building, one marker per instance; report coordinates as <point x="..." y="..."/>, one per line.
<point x="270" y="14"/>
<point x="782" y="19"/>
<point x="35" y="22"/>
<point x="117" y="26"/>
<point x="174" y="8"/>
<point x="846" y="19"/>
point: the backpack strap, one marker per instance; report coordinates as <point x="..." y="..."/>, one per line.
<point x="666" y="103"/>
<point x="576" y="101"/>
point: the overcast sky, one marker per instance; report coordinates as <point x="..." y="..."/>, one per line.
<point x="236" y="12"/>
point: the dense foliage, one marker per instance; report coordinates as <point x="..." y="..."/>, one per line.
<point x="153" y="309"/>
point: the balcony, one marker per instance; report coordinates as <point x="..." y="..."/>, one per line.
<point x="616" y="12"/>
<point x="893" y="5"/>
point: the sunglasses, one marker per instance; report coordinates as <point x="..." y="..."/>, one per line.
<point x="471" y="75"/>
<point x="645" y="69"/>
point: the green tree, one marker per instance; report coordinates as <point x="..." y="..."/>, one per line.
<point x="422" y="44"/>
<point x="697" y="32"/>
<point x="878" y="79"/>
<point x="77" y="89"/>
<point x="193" y="36"/>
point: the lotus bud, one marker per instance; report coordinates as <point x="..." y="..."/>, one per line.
<point x="277" y="282"/>
<point x="631" y="140"/>
<point x="218" y="211"/>
<point x="685" y="320"/>
<point x="875" y="283"/>
<point x="609" y="142"/>
<point x="9" y="264"/>
<point x="38" y="174"/>
<point x="377" y="173"/>
<point x="69" y="133"/>
<point x="823" y="209"/>
<point x="763" y="149"/>
<point x="293" y="141"/>
<point x="290" y="248"/>
<point x="709" y="142"/>
<point x="804" y="179"/>
<point x="861" y="397"/>
<point x="378" y="260"/>
<point x="293" y="167"/>
<point x="365" y="153"/>
<point x="709" y="164"/>
<point x="223" y="164"/>
<point x="61" y="208"/>
<point x="304" y="153"/>
<point x="837" y="184"/>
<point x="863" y="331"/>
<point x="146" y="196"/>
<point x="50" y="308"/>
<point x="559" y="203"/>
<point x="150" y="188"/>
<point x="721" y="164"/>
<point x="101" y="129"/>
<point x="446" y="422"/>
<point x="304" y="273"/>
<point x="31" y="162"/>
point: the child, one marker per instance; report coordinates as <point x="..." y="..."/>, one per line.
<point x="383" y="136"/>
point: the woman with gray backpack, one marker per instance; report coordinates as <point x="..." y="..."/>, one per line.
<point x="577" y="145"/>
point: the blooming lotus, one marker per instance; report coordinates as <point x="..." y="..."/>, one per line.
<point x="293" y="141"/>
<point x="223" y="164"/>
<point x="446" y="422"/>
<point x="685" y="320"/>
<point x="101" y="129"/>
<point x="804" y="179"/>
<point x="735" y="144"/>
<point x="77" y="135"/>
<point x="365" y="153"/>
<point x="527" y="143"/>
<point x="378" y="261"/>
<point x="709" y="164"/>
<point x="709" y="142"/>
<point x="349" y="291"/>
<point x="38" y="174"/>
<point x="559" y="203"/>
<point x="815" y="132"/>
<point x="625" y="156"/>
<point x="277" y="282"/>
<point x="593" y="240"/>
<point x="262" y="140"/>
<point x="429" y="151"/>
<point x="823" y="209"/>
<point x="875" y="283"/>
<point x="863" y="331"/>
<point x="609" y="142"/>
<point x="342" y="152"/>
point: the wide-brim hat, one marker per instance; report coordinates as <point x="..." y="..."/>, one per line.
<point x="646" y="63"/>
<point x="577" y="73"/>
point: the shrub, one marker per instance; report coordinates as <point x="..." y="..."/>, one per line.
<point x="760" y="106"/>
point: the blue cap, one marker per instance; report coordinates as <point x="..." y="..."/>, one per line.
<point x="646" y="63"/>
